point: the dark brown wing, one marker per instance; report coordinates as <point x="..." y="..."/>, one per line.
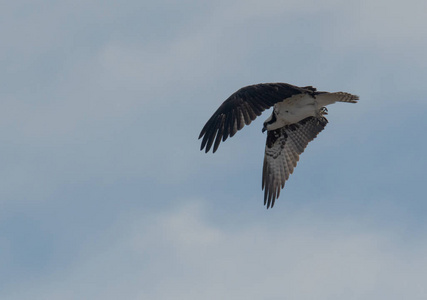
<point x="242" y="108"/>
<point x="282" y="150"/>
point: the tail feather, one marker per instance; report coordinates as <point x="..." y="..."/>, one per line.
<point x="346" y="97"/>
<point x="329" y="98"/>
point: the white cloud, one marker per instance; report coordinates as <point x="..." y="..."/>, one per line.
<point x="111" y="107"/>
<point x="179" y="254"/>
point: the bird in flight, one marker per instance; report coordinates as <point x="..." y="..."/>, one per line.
<point x="297" y="118"/>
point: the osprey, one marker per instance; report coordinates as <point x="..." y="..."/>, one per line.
<point x="297" y="118"/>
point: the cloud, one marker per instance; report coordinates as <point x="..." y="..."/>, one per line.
<point x="184" y="254"/>
<point x="101" y="109"/>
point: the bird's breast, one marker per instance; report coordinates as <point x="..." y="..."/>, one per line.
<point x="290" y="112"/>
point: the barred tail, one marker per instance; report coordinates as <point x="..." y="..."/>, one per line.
<point x="346" y="97"/>
<point x="329" y="98"/>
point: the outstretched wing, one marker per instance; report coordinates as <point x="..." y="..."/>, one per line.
<point x="242" y="108"/>
<point x="282" y="150"/>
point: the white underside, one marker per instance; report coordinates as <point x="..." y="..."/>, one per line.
<point x="298" y="107"/>
<point x="293" y="110"/>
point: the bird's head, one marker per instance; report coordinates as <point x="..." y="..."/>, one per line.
<point x="264" y="128"/>
<point x="271" y="123"/>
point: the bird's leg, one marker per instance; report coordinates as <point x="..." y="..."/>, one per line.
<point x="323" y="111"/>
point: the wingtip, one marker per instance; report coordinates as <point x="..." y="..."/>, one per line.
<point x="269" y="199"/>
<point x="206" y="149"/>
<point x="270" y="204"/>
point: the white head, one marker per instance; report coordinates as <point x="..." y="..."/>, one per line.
<point x="273" y="123"/>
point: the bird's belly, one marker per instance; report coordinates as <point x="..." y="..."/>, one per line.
<point x="294" y="114"/>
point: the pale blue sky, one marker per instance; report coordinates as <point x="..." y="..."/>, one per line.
<point x="104" y="193"/>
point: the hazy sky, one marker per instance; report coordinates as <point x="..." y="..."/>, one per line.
<point x="104" y="193"/>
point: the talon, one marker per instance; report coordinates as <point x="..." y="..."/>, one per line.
<point x="324" y="111"/>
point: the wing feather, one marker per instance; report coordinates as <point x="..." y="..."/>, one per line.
<point x="241" y="108"/>
<point x="282" y="150"/>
